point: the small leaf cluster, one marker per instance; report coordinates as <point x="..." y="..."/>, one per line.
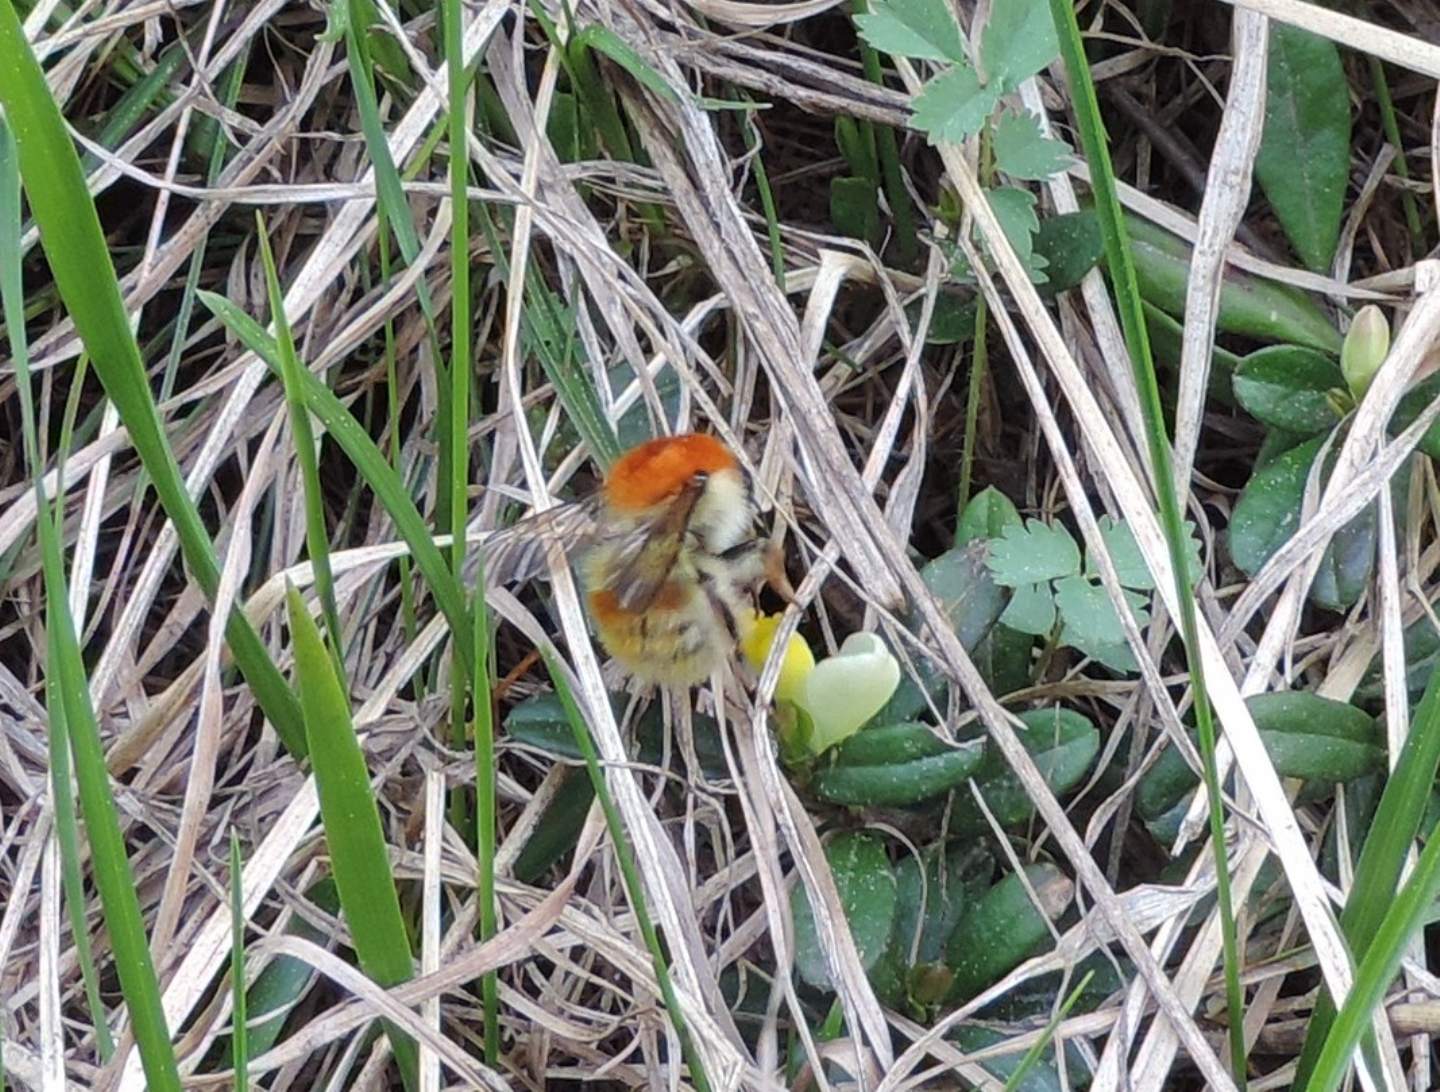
<point x="1041" y="562"/>
<point x="1018" y="41"/>
<point x="962" y="98"/>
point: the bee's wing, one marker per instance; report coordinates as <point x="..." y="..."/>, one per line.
<point x="646" y="557"/>
<point x="518" y="553"/>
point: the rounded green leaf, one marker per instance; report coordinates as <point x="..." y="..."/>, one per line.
<point x="1031" y="610"/>
<point x="1063" y="744"/>
<point x="896" y="784"/>
<point x="1414" y="404"/>
<point x="866" y="885"/>
<point x="986" y="516"/>
<point x="889" y="744"/>
<point x="1004" y="928"/>
<point x="1306" y="735"/>
<point x="1032" y="553"/>
<point x="1290" y="387"/>
<point x="1315" y="737"/>
<point x="931" y="902"/>
<point x="1268" y="511"/>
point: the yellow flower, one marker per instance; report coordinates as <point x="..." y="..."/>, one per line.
<point x="758" y="635"/>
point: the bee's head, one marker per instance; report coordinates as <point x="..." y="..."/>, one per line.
<point x="660" y="471"/>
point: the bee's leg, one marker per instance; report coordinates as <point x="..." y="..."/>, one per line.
<point x="775" y="572"/>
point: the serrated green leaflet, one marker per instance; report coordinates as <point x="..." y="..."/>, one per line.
<point x="1027" y="555"/>
<point x="922" y="29"/>
<point x="1021" y="151"/>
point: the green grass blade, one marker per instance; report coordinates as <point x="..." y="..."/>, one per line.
<point x="1406" y="915"/>
<point x="550" y="335"/>
<point x="113" y="876"/>
<point x="458" y="171"/>
<point x="66" y="828"/>
<point x="767" y="197"/>
<point x="371" y="464"/>
<point x="240" y="1037"/>
<point x="356" y="840"/>
<point x="1132" y="321"/>
<point x="80" y="262"/>
<point x="317" y="537"/>
<point x="1037" y="1048"/>
<point x="888" y="151"/>
<point x="485" y="812"/>
<point x="1382" y="857"/>
<point x="388" y="188"/>
<point x="625" y="854"/>
<point x="72" y="875"/>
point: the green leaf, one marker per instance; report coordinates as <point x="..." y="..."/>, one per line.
<point x="1091" y="624"/>
<point x="921" y="29"/>
<point x="1063" y="744"/>
<point x="606" y="41"/>
<point x="559" y="827"/>
<point x="1315" y="737"/>
<point x="1290" y="387"/>
<point x="951" y="321"/>
<point x="953" y="106"/>
<point x="866" y="885"/>
<point x="1268" y="511"/>
<point x="1031" y="610"/>
<point x="1249" y="305"/>
<point x="1071" y="246"/>
<point x="1015" y="209"/>
<point x="1018" y="41"/>
<point x="1347" y="563"/>
<point x="1412" y="406"/>
<point x="855" y="208"/>
<point x="1021" y="151"/>
<point x="359" y="858"/>
<point x="1304" y="160"/>
<point x="971" y="601"/>
<point x="986" y="516"/>
<point x="1003" y="928"/>
<point x="1306" y="736"/>
<point x="898" y="784"/>
<point x="933" y="901"/>
<point x="1125" y="555"/>
<point x="1027" y="555"/>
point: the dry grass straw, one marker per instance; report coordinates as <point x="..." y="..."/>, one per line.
<point x="718" y="877"/>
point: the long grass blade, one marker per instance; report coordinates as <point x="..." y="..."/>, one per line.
<point x="1132" y="321"/>
<point x="1397" y="820"/>
<point x="80" y="261"/>
<point x="358" y="857"/>
<point x="317" y="537"/>
<point x="371" y="464"/>
<point x="113" y="875"/>
<point x="240" y="1036"/>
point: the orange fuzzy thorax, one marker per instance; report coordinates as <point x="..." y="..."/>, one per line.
<point x="657" y="470"/>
